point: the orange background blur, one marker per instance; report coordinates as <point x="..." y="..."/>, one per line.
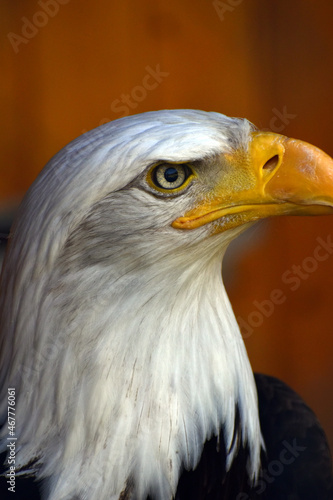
<point x="68" y="66"/>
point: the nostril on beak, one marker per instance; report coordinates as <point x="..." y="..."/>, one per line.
<point x="271" y="164"/>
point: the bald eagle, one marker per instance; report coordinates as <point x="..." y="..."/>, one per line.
<point x="119" y="346"/>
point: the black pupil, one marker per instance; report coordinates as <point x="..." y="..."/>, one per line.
<point x="171" y="174"/>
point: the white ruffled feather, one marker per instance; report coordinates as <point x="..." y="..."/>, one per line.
<point x="116" y="329"/>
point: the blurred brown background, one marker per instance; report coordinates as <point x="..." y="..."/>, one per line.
<point x="68" y="66"/>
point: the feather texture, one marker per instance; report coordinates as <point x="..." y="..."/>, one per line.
<point x="116" y="329"/>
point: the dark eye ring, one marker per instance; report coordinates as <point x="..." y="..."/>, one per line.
<point x="170" y="176"/>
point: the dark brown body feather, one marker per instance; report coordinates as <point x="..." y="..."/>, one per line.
<point x="297" y="464"/>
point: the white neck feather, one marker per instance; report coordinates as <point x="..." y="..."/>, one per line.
<point x="144" y="378"/>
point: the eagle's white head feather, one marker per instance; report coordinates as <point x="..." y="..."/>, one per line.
<point x="116" y="329"/>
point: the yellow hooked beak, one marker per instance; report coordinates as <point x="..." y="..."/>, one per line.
<point x="276" y="176"/>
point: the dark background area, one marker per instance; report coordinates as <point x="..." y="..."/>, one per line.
<point x="68" y="66"/>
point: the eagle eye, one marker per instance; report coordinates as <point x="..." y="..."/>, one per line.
<point x="170" y="176"/>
